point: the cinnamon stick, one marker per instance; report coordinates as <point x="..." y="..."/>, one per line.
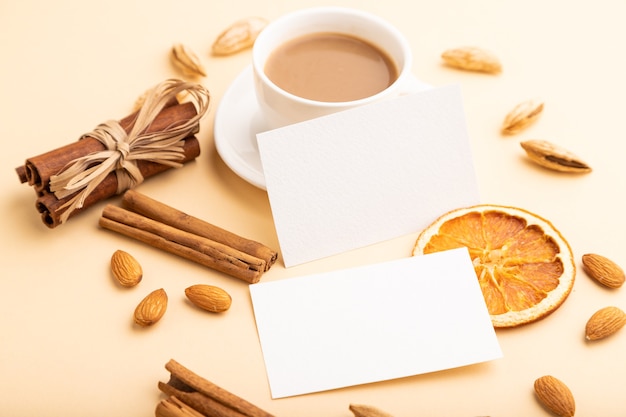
<point x="204" y="405"/>
<point x="21" y="173"/>
<point x="173" y="407"/>
<point x="163" y="213"/>
<point x="195" y="248"/>
<point x="37" y="170"/>
<point x="50" y="207"/>
<point x="184" y="380"/>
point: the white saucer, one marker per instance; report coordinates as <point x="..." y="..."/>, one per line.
<point x="237" y="121"/>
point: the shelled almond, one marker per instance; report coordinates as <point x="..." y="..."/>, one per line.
<point x="605" y="322"/>
<point x="126" y="269"/>
<point x="603" y="270"/>
<point x="209" y="297"/>
<point x="555" y="396"/>
<point x="151" y="309"/>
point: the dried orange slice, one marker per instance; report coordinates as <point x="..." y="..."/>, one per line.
<point x="524" y="266"/>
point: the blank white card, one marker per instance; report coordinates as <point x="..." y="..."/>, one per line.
<point x="369" y="174"/>
<point x="373" y="323"/>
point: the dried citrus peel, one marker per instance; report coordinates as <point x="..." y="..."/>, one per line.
<point x="523" y="264"/>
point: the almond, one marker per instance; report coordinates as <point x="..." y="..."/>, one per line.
<point x="187" y="61"/>
<point x="554" y="157"/>
<point x="555" y="396"/>
<point x="151" y="308"/>
<point x="360" y="410"/>
<point x="126" y="270"/>
<point x="209" y="297"/>
<point x="472" y="59"/>
<point x="238" y="36"/>
<point x="603" y="270"/>
<point x="604" y="323"/>
<point x="522" y="116"/>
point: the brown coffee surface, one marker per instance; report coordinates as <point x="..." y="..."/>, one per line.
<point x="330" y="67"/>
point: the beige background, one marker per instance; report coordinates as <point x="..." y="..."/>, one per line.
<point x="67" y="345"/>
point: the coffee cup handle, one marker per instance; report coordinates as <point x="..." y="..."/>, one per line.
<point x="413" y="85"/>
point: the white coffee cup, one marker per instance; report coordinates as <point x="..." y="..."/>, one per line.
<point x="279" y="107"/>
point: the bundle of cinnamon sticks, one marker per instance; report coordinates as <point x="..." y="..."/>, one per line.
<point x="166" y="228"/>
<point x="190" y="395"/>
<point x="37" y="171"/>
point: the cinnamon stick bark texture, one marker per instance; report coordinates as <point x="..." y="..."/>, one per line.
<point x="187" y="245"/>
<point x="204" y="396"/>
<point x="170" y="230"/>
<point x="163" y="213"/>
<point x="38" y="169"/>
<point x="50" y="207"/>
<point x="206" y="406"/>
<point x="117" y="156"/>
<point x="173" y="407"/>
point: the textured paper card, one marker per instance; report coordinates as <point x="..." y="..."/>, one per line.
<point x="373" y="323"/>
<point x="369" y="174"/>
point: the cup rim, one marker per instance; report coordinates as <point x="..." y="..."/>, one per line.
<point x="402" y="41"/>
